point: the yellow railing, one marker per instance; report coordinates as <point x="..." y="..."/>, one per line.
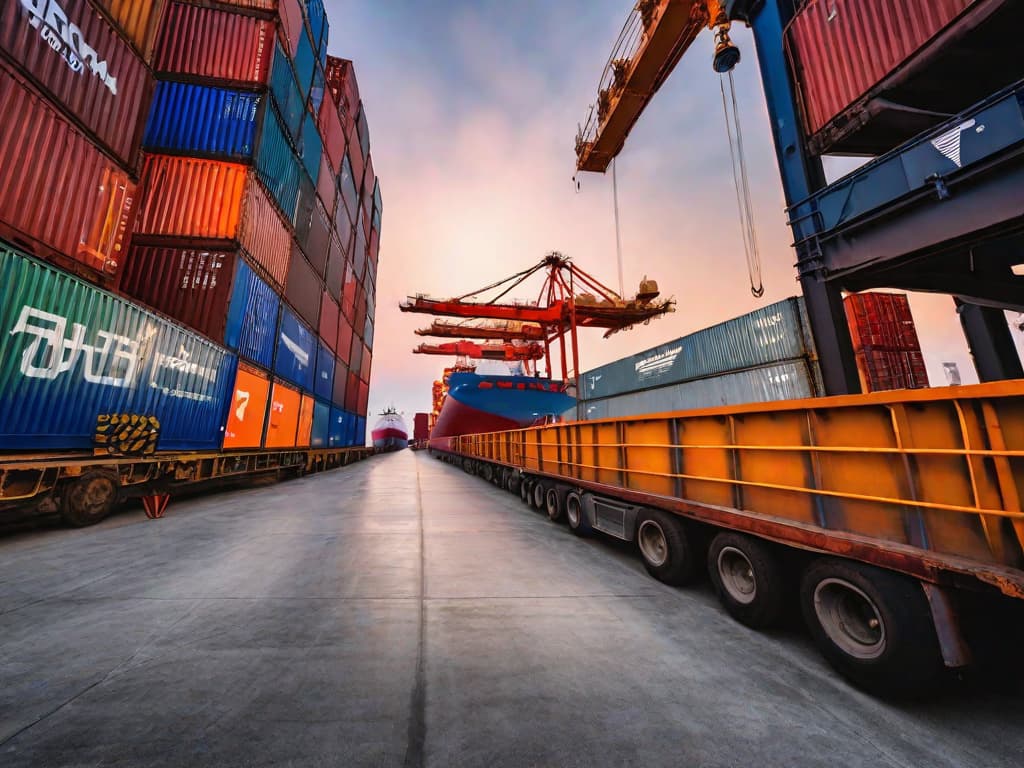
<point x="940" y="470"/>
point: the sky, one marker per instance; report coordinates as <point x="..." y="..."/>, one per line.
<point x="473" y="106"/>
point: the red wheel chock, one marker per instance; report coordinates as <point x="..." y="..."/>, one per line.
<point x="156" y="504"/>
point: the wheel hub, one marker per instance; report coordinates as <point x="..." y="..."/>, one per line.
<point x="850" y="618"/>
<point x="652" y="542"/>
<point x="737" y="575"/>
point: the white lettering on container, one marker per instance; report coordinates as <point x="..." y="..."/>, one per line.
<point x="66" y="39"/>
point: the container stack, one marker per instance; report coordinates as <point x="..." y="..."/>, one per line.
<point x="242" y="232"/>
<point x="210" y="292"/>
<point x="885" y="341"/>
<point x="421" y="427"/>
<point x="765" y="355"/>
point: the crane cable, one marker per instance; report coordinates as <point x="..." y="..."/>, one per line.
<point x="618" y="237"/>
<point x="742" y="185"/>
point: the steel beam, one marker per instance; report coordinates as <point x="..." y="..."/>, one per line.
<point x="992" y="348"/>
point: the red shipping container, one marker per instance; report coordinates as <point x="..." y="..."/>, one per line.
<point x="61" y="198"/>
<point x="332" y="131"/>
<point x="210" y="200"/>
<point x="303" y="289"/>
<point x="137" y="19"/>
<point x="327" y="187"/>
<point x="345" y="340"/>
<point x="364" y="369"/>
<point x="340" y="384"/>
<point x="341" y="82"/>
<point x="881" y="320"/>
<point x="330" y="312"/>
<point x="252" y="5"/>
<point x="421" y="426"/>
<point x="840" y="49"/>
<point x="364" y="398"/>
<point x="357" y="161"/>
<point x="352" y="393"/>
<point x="883" y="370"/>
<point x="290" y="13"/>
<point x="84" y="66"/>
<point x="214" y="44"/>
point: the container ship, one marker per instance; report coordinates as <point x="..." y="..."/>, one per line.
<point x="208" y="287"/>
<point x="390" y="432"/>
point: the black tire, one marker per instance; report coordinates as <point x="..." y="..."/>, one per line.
<point x="576" y="516"/>
<point x="537" y="499"/>
<point x="487" y="473"/>
<point x="874" y="627"/>
<point x="526" y="490"/>
<point x="89" y="499"/>
<point x="748" y="578"/>
<point x="513" y="482"/>
<point x="554" y="503"/>
<point x="665" y="547"/>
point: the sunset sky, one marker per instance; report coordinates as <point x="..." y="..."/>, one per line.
<point x="473" y="107"/>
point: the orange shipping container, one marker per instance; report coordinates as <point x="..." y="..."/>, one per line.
<point x="137" y="19"/>
<point x="199" y="199"/>
<point x="305" y="422"/>
<point x="283" y="422"/>
<point x="248" y="409"/>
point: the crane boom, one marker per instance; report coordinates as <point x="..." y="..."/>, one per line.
<point x="473" y="351"/>
<point x="496" y="330"/>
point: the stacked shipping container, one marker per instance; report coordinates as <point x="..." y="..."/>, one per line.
<point x="885" y="341"/>
<point x="245" y="222"/>
<point x="762" y="356"/>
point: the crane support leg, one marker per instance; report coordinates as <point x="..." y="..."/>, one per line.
<point x="802" y="174"/>
<point x="992" y="348"/>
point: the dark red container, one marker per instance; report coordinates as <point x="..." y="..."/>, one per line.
<point x="335" y="268"/>
<point x="364" y="369"/>
<point x="303" y="288"/>
<point x="345" y="341"/>
<point x="214" y="44"/>
<point x="329" y="316"/>
<point x="332" y="131"/>
<point x="881" y="321"/>
<point x="107" y="93"/>
<point x="326" y="186"/>
<point x="421" y="426"/>
<point x="341" y="82"/>
<point x="364" y="398"/>
<point x="352" y="393"/>
<point x="290" y="13"/>
<point x="356" y="159"/>
<point x="340" y="383"/>
<point x="192" y="286"/>
<point x="883" y="370"/>
<point x="61" y="198"/>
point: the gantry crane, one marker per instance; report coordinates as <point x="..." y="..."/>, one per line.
<point x="510" y="353"/>
<point x="569" y="298"/>
<point x="495" y="330"/>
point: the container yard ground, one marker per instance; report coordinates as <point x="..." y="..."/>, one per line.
<point x="401" y="612"/>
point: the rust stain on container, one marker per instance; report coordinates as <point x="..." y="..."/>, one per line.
<point x="841" y="48"/>
<point x="62" y="198"/>
<point x="137" y="20"/>
<point x="210" y="200"/>
<point x="216" y="44"/>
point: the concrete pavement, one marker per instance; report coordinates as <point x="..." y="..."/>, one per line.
<point x="401" y="612"/>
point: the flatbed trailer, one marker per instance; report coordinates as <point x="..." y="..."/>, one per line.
<point x="896" y="512"/>
<point x="83" y="488"/>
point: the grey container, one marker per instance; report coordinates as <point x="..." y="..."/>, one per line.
<point x="791" y="380"/>
<point x="773" y="334"/>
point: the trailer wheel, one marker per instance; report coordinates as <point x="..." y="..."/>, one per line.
<point x="554" y="502"/>
<point x="89" y="499"/>
<point x="526" y="490"/>
<point x="874" y="627"/>
<point x="540" y="492"/>
<point x="748" y="579"/>
<point x="665" y="547"/>
<point x="487" y="473"/>
<point x="512" y="482"/>
<point x="575" y="516"/>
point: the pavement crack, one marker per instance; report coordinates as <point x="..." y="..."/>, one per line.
<point x="417" y="732"/>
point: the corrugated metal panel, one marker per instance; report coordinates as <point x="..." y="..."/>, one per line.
<point x="254" y="5"/>
<point x="316" y="92"/>
<point x="351" y="288"/>
<point x="83" y="64"/>
<point x="289" y="101"/>
<point x="324" y="385"/>
<point x="214" y="44"/>
<point x="321" y="425"/>
<point x="71" y="352"/>
<point x="881" y="321"/>
<point x="248" y="409"/>
<point x="197" y="119"/>
<point x="352" y="392"/>
<point x="318" y="242"/>
<point x="364" y="398"/>
<point x="205" y="199"/>
<point x="326" y="187"/>
<point x="364" y="369"/>
<point x="290" y="14"/>
<point x="780" y="381"/>
<point x="335" y="268"/>
<point x="336" y="436"/>
<point x="771" y="334"/>
<point x="295" y="360"/>
<point x="884" y="369"/>
<point x="312" y="147"/>
<point x="332" y="132"/>
<point x="345" y="341"/>
<point x="341" y="379"/>
<point x="360" y="431"/>
<point x="276" y="164"/>
<point x="47" y="167"/>
<point x="305" y="421"/>
<point x="329" y="314"/>
<point x="841" y="48"/>
<point x="137" y="19"/>
<point x="304" y="61"/>
<point x="317" y="24"/>
<point x="303" y="288"/>
<point x="283" y="417"/>
<point x="252" y="318"/>
<point x="357" y="162"/>
<point x="304" y="207"/>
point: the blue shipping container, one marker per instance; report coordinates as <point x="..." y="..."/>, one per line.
<point x="324" y="385"/>
<point x="312" y="147"/>
<point x="252" y="317"/>
<point x="277" y="166"/>
<point x="201" y="120"/>
<point x="320" y="436"/>
<point x="290" y="103"/>
<point x="305" y="62"/>
<point x="295" y="360"/>
<point x="336" y="438"/>
<point x="360" y="431"/>
<point x="70" y="353"/>
<point x="317" y="17"/>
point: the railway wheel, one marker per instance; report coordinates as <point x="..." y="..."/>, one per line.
<point x="665" y="547"/>
<point x="540" y="492"/>
<point x="89" y="499"/>
<point x="487" y="473"/>
<point x="554" y="502"/>
<point x="874" y="627"/>
<point x="748" y="578"/>
<point x="575" y="515"/>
